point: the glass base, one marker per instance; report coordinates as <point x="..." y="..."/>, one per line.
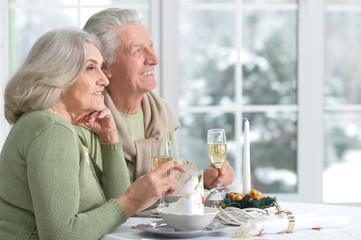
<point x="162" y="203"/>
<point x="220" y="188"/>
<point x="155" y="210"/>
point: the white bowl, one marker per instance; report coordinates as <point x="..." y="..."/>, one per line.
<point x="188" y="222"/>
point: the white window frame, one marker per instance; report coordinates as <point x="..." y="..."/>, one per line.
<point x="310" y="99"/>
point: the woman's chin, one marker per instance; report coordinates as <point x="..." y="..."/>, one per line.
<point x="98" y="107"/>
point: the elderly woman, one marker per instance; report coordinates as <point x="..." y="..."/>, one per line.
<point x="49" y="187"/>
<point x="140" y="115"/>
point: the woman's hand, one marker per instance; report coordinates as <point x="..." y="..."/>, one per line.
<point x="103" y="124"/>
<point x="146" y="190"/>
<point x="224" y="176"/>
<point x="173" y="179"/>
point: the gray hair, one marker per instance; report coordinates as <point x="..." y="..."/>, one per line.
<point x="54" y="62"/>
<point x="106" y="24"/>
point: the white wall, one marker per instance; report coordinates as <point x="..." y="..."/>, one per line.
<point x="4" y="68"/>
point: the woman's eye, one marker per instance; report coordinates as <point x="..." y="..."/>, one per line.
<point x="151" y="45"/>
<point x="91" y="68"/>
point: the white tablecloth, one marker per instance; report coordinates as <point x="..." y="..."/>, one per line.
<point x="350" y="232"/>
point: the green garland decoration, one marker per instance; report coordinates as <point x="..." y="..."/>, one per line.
<point x="248" y="202"/>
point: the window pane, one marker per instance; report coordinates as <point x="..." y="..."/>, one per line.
<point x="207" y="58"/>
<point x="28" y="25"/>
<point x="273" y="151"/>
<point x="62" y="2"/>
<point x="342" y="157"/>
<point x="207" y="1"/>
<point x="83" y="2"/>
<point x="270" y="1"/>
<point x="342" y="58"/>
<point x="269" y="57"/>
<point x="124" y="3"/>
<point x="193" y="136"/>
<point x="87" y="12"/>
<point x="344" y="1"/>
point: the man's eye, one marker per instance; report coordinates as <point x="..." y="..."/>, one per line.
<point x="91" y="68"/>
<point x="138" y="50"/>
<point x="151" y="45"/>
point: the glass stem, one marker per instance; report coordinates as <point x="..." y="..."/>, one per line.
<point x="162" y="202"/>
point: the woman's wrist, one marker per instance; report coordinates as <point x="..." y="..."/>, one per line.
<point x="109" y="137"/>
<point x="129" y="206"/>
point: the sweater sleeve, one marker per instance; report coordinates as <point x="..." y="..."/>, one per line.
<point x="91" y="140"/>
<point x="115" y="177"/>
<point x="109" y="163"/>
<point x="53" y="178"/>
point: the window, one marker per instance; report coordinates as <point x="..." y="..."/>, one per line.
<point x="342" y="101"/>
<point x="25" y="21"/>
<point x="238" y="59"/>
<point x="28" y="20"/>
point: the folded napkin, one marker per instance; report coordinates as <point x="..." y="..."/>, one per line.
<point x="191" y="202"/>
<point x="188" y="180"/>
<point x="279" y="223"/>
<point x="189" y="186"/>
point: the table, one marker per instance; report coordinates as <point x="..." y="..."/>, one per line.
<point x="350" y="232"/>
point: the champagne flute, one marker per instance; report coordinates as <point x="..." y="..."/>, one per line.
<point x="217" y="151"/>
<point x="161" y="152"/>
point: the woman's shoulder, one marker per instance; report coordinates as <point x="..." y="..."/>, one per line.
<point x="43" y="116"/>
<point x="84" y="133"/>
<point x="43" y="125"/>
<point x="41" y="120"/>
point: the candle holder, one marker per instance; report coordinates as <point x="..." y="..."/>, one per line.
<point x="252" y="200"/>
<point x="237" y="209"/>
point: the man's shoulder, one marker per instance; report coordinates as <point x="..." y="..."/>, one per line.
<point x="156" y="97"/>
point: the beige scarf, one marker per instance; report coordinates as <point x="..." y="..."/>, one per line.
<point x="158" y="121"/>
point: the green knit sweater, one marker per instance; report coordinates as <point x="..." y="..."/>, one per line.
<point x="135" y="124"/>
<point x="48" y="189"/>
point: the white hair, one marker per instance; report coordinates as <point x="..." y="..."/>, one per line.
<point x="54" y="62"/>
<point x="105" y="26"/>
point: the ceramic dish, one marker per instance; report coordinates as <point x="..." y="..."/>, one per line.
<point x="188" y="222"/>
<point x="160" y="228"/>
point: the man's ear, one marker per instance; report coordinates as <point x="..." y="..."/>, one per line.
<point x="106" y="70"/>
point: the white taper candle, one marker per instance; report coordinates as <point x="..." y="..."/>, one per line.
<point x="246" y="160"/>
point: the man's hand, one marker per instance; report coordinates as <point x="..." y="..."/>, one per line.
<point x="212" y="176"/>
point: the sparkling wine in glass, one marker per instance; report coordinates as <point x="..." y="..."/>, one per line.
<point x="161" y="152"/>
<point x="217" y="151"/>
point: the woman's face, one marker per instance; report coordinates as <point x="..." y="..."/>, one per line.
<point x="86" y="94"/>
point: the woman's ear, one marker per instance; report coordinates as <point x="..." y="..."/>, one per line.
<point x="106" y="70"/>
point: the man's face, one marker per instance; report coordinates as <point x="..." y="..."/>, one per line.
<point x="135" y="60"/>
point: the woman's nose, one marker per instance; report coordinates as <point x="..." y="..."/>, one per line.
<point x="103" y="79"/>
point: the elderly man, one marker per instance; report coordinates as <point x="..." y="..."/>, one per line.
<point x="140" y="115"/>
